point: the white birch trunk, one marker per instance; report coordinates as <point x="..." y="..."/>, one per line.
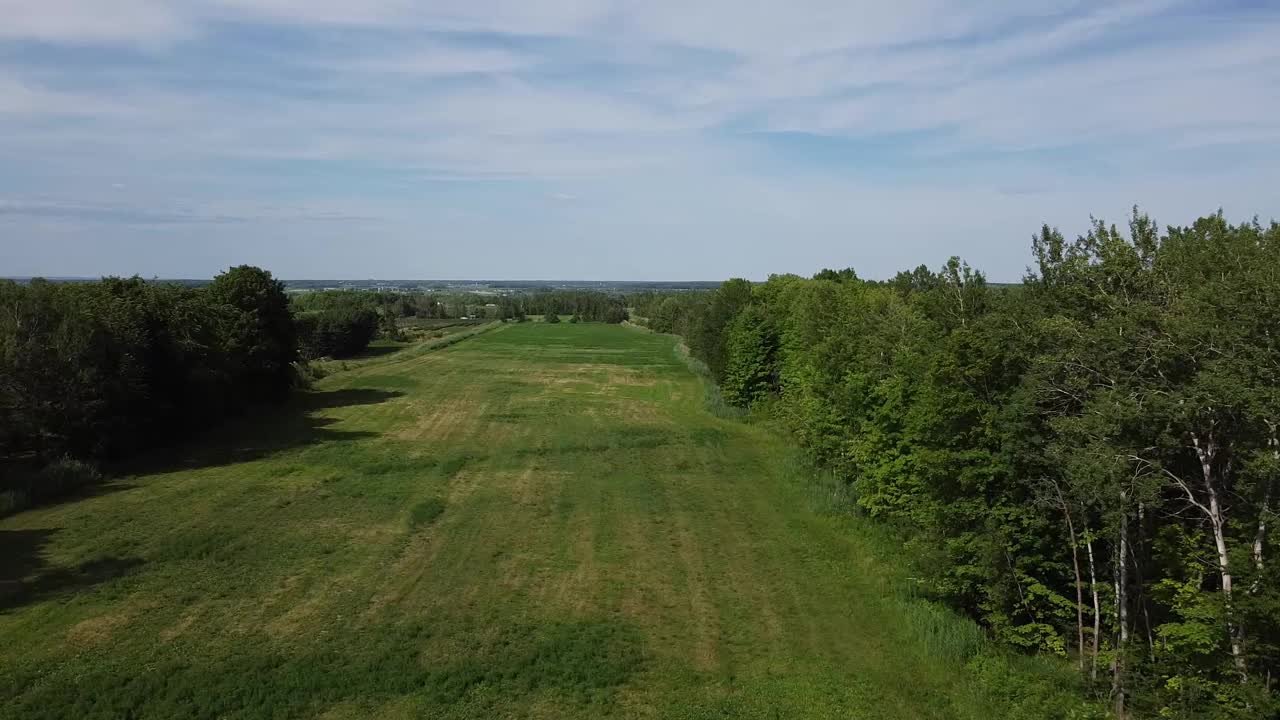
<point x="1097" y="608"/>
<point x="1075" y="561"/>
<point x="1260" y="537"/>
<point x="1206" y="452"/>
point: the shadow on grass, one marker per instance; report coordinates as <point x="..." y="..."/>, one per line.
<point x="26" y="576"/>
<point x="376" y="351"/>
<point x="19" y="480"/>
<point x="264" y="431"/>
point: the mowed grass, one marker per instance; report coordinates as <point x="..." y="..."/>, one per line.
<point x="541" y="521"/>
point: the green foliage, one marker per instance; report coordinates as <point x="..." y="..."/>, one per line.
<point x="587" y="305"/>
<point x="261" y="333"/>
<point x="751" y="371"/>
<point x="103" y="369"/>
<point x="1060" y="453"/>
<point x="551" y="317"/>
<point x="22" y="486"/>
<point x="337" y="332"/>
<point x="607" y="549"/>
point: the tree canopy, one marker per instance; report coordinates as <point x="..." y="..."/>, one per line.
<point x="1086" y="462"/>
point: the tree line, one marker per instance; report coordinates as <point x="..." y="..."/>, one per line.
<point x="98" y="371"/>
<point x="584" y="305"/>
<point x="341" y="323"/>
<point x="1085" y="462"/>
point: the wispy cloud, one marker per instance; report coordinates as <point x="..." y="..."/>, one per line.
<point x="441" y="108"/>
<point x="138" y="215"/>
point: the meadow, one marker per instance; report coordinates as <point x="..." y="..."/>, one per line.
<point x="537" y="521"/>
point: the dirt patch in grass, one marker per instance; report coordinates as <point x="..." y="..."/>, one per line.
<point x="97" y="630"/>
<point x="463" y="485"/>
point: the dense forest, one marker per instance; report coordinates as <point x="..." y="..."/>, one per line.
<point x="1086" y="462"/>
<point x="101" y="370"/>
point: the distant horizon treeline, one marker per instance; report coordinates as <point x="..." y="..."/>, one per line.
<point x="1087" y="463"/>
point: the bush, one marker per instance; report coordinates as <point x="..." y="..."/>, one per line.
<point x="551" y="317"/>
<point x="306" y="374"/>
<point x="55" y="479"/>
<point x="337" y="332"/>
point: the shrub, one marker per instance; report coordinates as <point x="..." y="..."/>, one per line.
<point x="338" y="332"/>
<point x="60" y="477"/>
<point x="306" y="373"/>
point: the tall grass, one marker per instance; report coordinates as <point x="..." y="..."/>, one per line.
<point x="1026" y="686"/>
<point x="28" y="486"/>
<point x="712" y="398"/>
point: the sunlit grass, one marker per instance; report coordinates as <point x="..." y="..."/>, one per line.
<point x="541" y="521"/>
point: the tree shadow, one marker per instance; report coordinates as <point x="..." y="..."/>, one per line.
<point x="263" y="431"/>
<point x="27" y="577"/>
<point x="376" y="351"/>
<point x="17" y="493"/>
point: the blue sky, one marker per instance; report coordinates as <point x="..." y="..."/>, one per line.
<point x="616" y="139"/>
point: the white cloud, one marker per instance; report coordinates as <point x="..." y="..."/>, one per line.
<point x="834" y="68"/>
<point x="313" y="12"/>
<point x="92" y="21"/>
<point x="638" y="97"/>
<point x="439" y="61"/>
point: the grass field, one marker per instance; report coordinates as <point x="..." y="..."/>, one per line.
<point x="540" y="521"/>
<point x="423" y="328"/>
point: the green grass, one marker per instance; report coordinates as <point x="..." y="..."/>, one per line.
<point x="543" y="521"/>
<point x="425" y="512"/>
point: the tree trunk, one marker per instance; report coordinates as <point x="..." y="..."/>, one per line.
<point x="1097" y="609"/>
<point x="1138" y="552"/>
<point x="1118" y="689"/>
<point x="1206" y="451"/>
<point x="1260" y="537"/>
<point x="1075" y="561"/>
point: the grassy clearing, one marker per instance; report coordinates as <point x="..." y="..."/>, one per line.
<point x="417" y="329"/>
<point x="541" y="522"/>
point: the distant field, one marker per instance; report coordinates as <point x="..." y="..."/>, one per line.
<point x="540" y="521"/>
<point x="415" y="328"/>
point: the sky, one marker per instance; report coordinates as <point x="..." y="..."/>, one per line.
<point x="617" y="139"/>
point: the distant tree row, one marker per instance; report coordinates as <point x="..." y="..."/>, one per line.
<point x="1087" y="463"/>
<point x="586" y="305"/>
<point x="341" y="323"/>
<point x="429" y="305"/>
<point x="100" y="370"/>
